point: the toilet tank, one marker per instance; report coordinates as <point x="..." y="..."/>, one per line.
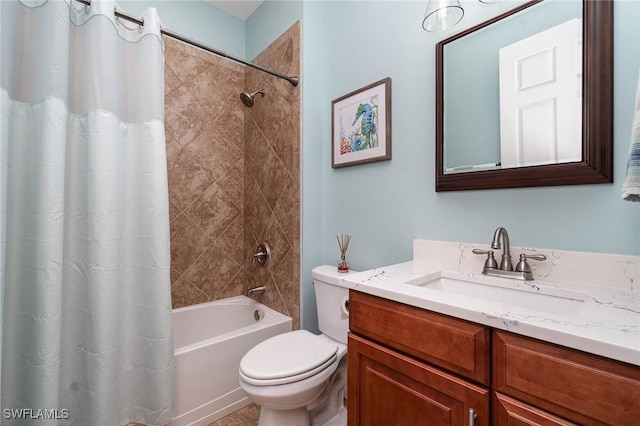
<point x="331" y="295"/>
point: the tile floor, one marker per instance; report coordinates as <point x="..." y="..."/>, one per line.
<point x="247" y="416"/>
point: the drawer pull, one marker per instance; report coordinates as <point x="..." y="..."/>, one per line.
<point x="472" y="417"/>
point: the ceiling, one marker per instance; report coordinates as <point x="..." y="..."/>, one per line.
<point x="241" y="9"/>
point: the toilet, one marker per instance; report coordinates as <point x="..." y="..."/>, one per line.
<point x="299" y="378"/>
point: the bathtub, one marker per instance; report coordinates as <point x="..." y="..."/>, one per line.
<point x="209" y="341"/>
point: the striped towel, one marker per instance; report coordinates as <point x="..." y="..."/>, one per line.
<point x="631" y="186"/>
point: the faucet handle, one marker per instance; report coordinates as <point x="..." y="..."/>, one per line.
<point x="480" y="251"/>
<point x="491" y="261"/>
<point x="262" y="254"/>
<point x="534" y="256"/>
<point x="523" y="266"/>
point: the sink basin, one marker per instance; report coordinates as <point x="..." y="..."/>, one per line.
<point x="529" y="295"/>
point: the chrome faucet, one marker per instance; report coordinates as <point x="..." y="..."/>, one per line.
<point x="505" y="270"/>
<point x="256" y="290"/>
<point x="505" y="263"/>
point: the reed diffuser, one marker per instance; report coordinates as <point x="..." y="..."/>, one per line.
<point x="343" y="244"/>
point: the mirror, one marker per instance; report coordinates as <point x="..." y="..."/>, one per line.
<point x="474" y="149"/>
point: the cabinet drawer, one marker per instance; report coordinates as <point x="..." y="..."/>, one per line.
<point x="583" y="388"/>
<point x="511" y="412"/>
<point x="456" y="345"/>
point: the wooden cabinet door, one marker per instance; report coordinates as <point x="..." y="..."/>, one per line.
<point x="583" y="388"/>
<point x="387" y="388"/>
<point x="511" y="412"/>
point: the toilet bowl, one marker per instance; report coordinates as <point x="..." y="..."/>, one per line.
<point x="299" y="378"/>
<point x="288" y="375"/>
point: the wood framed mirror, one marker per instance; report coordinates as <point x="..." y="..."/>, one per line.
<point x="596" y="164"/>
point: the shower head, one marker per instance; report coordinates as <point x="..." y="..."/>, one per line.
<point x="247" y="98"/>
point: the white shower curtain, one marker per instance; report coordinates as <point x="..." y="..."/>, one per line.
<point x="85" y="300"/>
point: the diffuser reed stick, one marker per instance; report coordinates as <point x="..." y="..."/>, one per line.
<point x="343" y="245"/>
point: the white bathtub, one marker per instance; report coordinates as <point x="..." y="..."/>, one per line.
<point x="209" y="341"/>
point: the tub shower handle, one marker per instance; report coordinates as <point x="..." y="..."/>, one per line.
<point x="262" y="255"/>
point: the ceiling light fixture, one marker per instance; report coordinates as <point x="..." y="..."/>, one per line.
<point x="442" y="15"/>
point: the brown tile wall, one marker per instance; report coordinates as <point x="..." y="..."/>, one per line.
<point x="234" y="174"/>
<point x="272" y="175"/>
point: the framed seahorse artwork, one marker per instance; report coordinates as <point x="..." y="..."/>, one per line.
<point x="361" y="125"/>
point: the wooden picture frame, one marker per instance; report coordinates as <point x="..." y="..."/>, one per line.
<point x="361" y="125"/>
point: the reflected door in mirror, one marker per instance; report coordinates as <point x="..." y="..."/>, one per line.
<point x="541" y="97"/>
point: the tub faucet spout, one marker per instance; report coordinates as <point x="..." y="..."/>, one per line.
<point x="505" y="263"/>
<point x="256" y="290"/>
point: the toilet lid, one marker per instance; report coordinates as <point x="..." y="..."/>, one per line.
<point x="286" y="355"/>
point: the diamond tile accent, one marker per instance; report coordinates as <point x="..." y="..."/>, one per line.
<point x="184" y="117"/>
<point x="213" y="212"/>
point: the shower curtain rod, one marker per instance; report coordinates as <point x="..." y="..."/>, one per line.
<point x="293" y="79"/>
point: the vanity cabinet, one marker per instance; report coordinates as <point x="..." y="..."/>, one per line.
<point x="399" y="374"/>
<point x="409" y="366"/>
<point x="574" y="385"/>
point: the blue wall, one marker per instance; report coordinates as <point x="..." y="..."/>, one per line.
<point x="196" y="20"/>
<point x="268" y="22"/>
<point x="385" y="205"/>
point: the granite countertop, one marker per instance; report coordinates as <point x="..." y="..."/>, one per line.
<point x="593" y="319"/>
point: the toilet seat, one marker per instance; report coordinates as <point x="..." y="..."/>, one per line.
<point x="287" y="358"/>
